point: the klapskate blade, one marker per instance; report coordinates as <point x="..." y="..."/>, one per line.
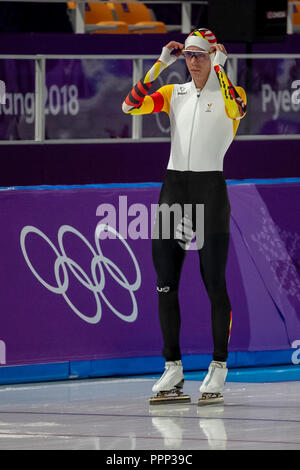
<point x="163" y="400"/>
<point x="210" y="401"/>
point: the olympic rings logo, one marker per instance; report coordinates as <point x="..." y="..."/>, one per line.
<point x="94" y="285"/>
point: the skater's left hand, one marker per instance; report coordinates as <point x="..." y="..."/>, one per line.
<point x="221" y="54"/>
<point x="219" y="47"/>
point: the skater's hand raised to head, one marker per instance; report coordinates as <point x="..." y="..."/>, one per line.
<point x="221" y="54"/>
<point x="171" y="52"/>
<point x="219" y="47"/>
<point x="175" y="46"/>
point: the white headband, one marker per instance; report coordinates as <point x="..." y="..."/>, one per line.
<point x="198" y="42"/>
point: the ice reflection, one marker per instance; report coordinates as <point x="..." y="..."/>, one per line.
<point x="213" y="426"/>
<point x="167" y="420"/>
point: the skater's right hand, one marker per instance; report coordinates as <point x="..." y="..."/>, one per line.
<point x="171" y="52"/>
<point x="175" y="46"/>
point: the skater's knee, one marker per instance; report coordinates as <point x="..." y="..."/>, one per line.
<point x="166" y="287"/>
<point x="215" y="282"/>
<point x="216" y="288"/>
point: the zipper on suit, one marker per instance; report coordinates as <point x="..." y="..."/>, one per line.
<point x="190" y="143"/>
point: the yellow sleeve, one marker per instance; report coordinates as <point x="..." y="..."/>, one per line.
<point x="236" y="122"/>
<point x="241" y="92"/>
<point x="234" y="104"/>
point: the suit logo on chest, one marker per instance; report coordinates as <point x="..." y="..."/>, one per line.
<point x="182" y="90"/>
<point x="209" y="108"/>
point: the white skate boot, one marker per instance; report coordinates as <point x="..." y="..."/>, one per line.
<point x="169" y="386"/>
<point x="213" y="384"/>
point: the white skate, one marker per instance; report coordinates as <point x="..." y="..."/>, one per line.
<point x="169" y="386"/>
<point x="213" y="384"/>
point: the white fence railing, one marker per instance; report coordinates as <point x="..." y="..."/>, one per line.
<point x="136" y="134"/>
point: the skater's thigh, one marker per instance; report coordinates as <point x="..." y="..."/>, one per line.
<point x="167" y="252"/>
<point x="168" y="257"/>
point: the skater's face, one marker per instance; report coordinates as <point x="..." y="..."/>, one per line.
<point x="197" y="61"/>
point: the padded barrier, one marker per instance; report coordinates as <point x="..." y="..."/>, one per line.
<point x="47" y="341"/>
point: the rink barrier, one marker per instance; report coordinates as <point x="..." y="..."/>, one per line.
<point x="229" y="182"/>
<point x="244" y="366"/>
<point x="80" y="369"/>
<point x="255" y="374"/>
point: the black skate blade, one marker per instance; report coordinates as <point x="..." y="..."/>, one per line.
<point x="210" y="401"/>
<point x="174" y="399"/>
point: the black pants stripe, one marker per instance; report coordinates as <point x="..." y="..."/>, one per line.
<point x="188" y="189"/>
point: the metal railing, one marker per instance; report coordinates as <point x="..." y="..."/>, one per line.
<point x="136" y="134"/>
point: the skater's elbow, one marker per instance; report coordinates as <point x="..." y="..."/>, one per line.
<point x="125" y="108"/>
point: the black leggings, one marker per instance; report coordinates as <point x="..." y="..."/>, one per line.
<point x="188" y="189"/>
